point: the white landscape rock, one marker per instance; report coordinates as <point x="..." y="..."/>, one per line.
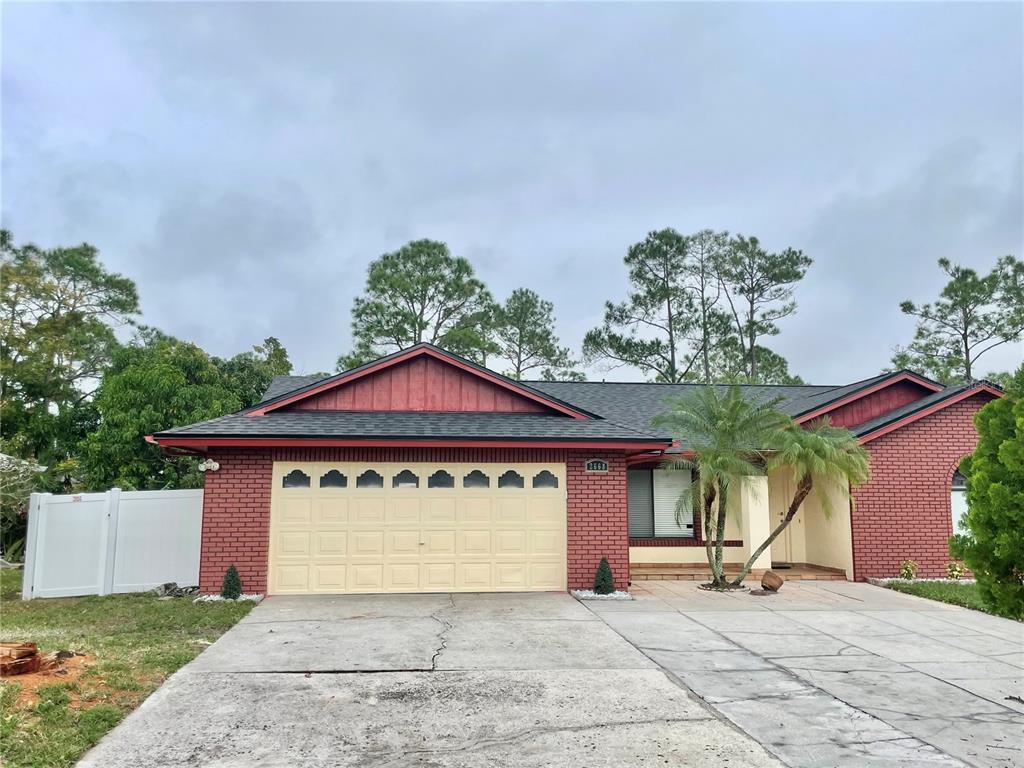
<point x="254" y="598"/>
<point x="589" y="594"/>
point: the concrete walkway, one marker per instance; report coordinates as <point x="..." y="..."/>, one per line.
<point x="840" y="674"/>
<point x="424" y="680"/>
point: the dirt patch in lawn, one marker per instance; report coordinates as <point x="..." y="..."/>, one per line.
<point x="55" y="668"/>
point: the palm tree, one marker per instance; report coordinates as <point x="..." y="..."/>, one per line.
<point x="822" y="458"/>
<point x="727" y="437"/>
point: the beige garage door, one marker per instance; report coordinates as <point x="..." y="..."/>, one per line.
<point x="417" y="527"/>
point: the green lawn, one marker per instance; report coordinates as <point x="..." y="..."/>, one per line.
<point x="133" y="643"/>
<point x="965" y="594"/>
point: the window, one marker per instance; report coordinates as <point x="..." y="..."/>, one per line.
<point x="370" y="479"/>
<point x="476" y="479"/>
<point x="405" y="479"/>
<point x="958" y="499"/>
<point x="333" y="479"/>
<point x="295" y="479"/>
<point x="440" y="479"/>
<point x="653" y="498"/>
<point x="510" y="479"/>
<point x="545" y="479"/>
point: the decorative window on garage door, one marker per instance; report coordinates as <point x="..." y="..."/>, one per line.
<point x="370" y="479"/>
<point x="295" y="479"/>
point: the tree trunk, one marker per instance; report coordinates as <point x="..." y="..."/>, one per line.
<point x="709" y="500"/>
<point x="802" y="490"/>
<point x="719" y="569"/>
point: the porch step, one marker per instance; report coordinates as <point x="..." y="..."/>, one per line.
<point x="693" y="572"/>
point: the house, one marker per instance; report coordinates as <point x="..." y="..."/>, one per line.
<point x="422" y="471"/>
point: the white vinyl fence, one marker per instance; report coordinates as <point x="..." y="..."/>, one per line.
<point x="118" y="541"/>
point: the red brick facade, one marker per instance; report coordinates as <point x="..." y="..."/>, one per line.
<point x="598" y="519"/>
<point x="904" y="511"/>
<point x="236" y="507"/>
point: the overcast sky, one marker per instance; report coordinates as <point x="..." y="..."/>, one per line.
<point x="244" y="162"/>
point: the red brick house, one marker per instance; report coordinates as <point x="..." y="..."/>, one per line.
<point x="422" y="471"/>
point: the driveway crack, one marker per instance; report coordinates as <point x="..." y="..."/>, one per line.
<point x="446" y="627"/>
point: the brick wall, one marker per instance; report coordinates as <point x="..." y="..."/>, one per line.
<point x="904" y="511"/>
<point x="598" y="519"/>
<point x="236" y="520"/>
<point x="236" y="507"/>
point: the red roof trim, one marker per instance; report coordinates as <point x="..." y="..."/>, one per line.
<point x="877" y="387"/>
<point x="203" y="443"/>
<point x="909" y="419"/>
<point x="409" y="354"/>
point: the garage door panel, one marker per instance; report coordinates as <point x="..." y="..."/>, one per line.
<point x="439" y="510"/>
<point x="371" y="537"/>
<point x="329" y="578"/>
<point x="292" y="544"/>
<point x="475" y="542"/>
<point x="330" y="543"/>
<point x="367" y="543"/>
<point x="510" y="542"/>
<point x="403" y="543"/>
<point x="439" y="577"/>
<point x="402" y="577"/>
<point x="366" y="578"/>
<point x="331" y="511"/>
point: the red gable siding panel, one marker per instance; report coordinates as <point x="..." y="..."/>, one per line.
<point x="421" y="384"/>
<point x="884" y="400"/>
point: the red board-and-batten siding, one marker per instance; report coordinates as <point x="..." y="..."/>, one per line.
<point x="420" y="384"/>
<point x="904" y="511"/>
<point x="236" y="506"/>
<point x="877" y="403"/>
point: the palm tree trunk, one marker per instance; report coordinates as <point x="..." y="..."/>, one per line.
<point x="719" y="569"/>
<point x="802" y="490"/>
<point x="709" y="500"/>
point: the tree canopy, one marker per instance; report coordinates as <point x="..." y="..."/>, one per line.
<point x="992" y="540"/>
<point x="973" y="315"/>
<point x="155" y="383"/>
<point x="421" y="292"/>
<point x="248" y="374"/>
<point x="698" y="306"/>
<point x="524" y="331"/>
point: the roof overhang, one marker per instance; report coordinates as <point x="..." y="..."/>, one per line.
<point x="896" y="378"/>
<point x="199" y="443"/>
<point x="420" y="350"/>
<point x="884" y="429"/>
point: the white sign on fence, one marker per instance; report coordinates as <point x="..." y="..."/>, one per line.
<point x="118" y="541"/>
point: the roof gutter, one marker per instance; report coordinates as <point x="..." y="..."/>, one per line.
<point x="205" y="443"/>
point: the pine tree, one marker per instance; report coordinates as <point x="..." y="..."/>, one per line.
<point x="604" y="582"/>
<point x="231" y="589"/>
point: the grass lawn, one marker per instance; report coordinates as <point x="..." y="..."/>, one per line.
<point x="965" y="594"/>
<point x="132" y="642"/>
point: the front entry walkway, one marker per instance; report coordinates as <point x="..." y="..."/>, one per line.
<point x="840" y="674"/>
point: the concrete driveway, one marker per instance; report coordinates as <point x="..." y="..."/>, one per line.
<point x="424" y="680"/>
<point x="835" y="673"/>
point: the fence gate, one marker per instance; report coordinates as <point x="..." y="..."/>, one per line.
<point x="100" y="543"/>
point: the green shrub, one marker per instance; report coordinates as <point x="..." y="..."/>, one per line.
<point x="955" y="570"/>
<point x="231" y="588"/>
<point x="604" y="582"/>
<point x="992" y="545"/>
<point x="908" y="569"/>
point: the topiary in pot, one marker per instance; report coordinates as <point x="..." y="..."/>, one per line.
<point x="231" y="588"/>
<point x="604" y="582"/>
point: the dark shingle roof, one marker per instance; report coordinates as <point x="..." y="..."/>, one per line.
<point x="394" y="425"/>
<point x="282" y="385"/>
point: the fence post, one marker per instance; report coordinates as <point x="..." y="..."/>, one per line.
<point x="28" y="571"/>
<point x="110" y="541"/>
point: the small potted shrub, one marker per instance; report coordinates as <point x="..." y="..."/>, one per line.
<point x="231" y="587"/>
<point x="908" y="570"/>
<point x="604" y="582"/>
